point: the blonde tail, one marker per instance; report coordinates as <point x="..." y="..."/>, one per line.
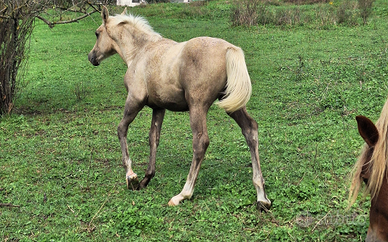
<point x="238" y="85"/>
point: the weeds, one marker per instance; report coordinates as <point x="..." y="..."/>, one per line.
<point x="79" y="91"/>
<point x="263" y="12"/>
<point x="264" y="16"/>
<point x="290" y="17"/>
<point x="245" y="12"/>
<point x="346" y="13"/>
<point x="302" y="2"/>
<point x="365" y="7"/>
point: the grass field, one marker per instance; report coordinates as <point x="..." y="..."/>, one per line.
<point x="60" y="159"/>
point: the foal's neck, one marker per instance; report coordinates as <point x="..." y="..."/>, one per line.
<point x="131" y="40"/>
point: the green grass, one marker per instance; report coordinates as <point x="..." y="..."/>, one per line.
<point x="60" y="159"/>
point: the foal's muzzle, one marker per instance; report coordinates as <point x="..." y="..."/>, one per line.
<point x="92" y="58"/>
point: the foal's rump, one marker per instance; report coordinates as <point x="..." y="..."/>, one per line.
<point x="214" y="68"/>
<point x="195" y="72"/>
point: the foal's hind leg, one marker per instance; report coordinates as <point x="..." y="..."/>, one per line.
<point x="249" y="129"/>
<point x="156" y="126"/>
<point x="200" y="144"/>
<point x="132" y="108"/>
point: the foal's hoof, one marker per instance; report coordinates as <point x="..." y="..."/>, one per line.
<point x="263" y="206"/>
<point x="144" y="183"/>
<point x="172" y="204"/>
<point x="175" y="200"/>
<point x="132" y="182"/>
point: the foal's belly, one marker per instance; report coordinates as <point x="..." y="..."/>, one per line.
<point x="167" y="98"/>
<point x="172" y="106"/>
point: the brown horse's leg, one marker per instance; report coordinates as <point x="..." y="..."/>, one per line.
<point x="200" y="144"/>
<point x="130" y="112"/>
<point x="156" y="126"/>
<point x="249" y="129"/>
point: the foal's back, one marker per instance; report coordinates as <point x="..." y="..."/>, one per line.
<point x="176" y="74"/>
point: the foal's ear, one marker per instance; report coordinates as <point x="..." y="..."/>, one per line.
<point x="104" y="14"/>
<point x="124" y="12"/>
<point x="367" y="130"/>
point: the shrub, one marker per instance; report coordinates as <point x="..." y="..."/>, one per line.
<point x="325" y="15"/>
<point x="287" y="16"/>
<point x="365" y="7"/>
<point x="265" y="12"/>
<point x="264" y="15"/>
<point x="346" y="13"/>
<point x="245" y="12"/>
<point x="302" y="2"/>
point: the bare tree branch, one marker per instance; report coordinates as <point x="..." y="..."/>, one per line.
<point x="91" y="5"/>
<point x="51" y="24"/>
<point x="3" y="9"/>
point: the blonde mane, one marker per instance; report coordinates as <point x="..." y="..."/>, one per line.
<point x="377" y="164"/>
<point x="140" y="23"/>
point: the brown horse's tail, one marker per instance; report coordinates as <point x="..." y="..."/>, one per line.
<point x="238" y="86"/>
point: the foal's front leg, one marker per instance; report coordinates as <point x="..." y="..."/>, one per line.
<point x="132" y="108"/>
<point x="156" y="126"/>
<point x="200" y="144"/>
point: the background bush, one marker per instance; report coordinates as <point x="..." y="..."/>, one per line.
<point x="264" y="12"/>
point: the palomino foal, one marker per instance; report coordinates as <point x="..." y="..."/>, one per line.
<point x="371" y="168"/>
<point x="187" y="76"/>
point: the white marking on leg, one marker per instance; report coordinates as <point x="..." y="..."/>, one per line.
<point x="186" y="193"/>
<point x="258" y="182"/>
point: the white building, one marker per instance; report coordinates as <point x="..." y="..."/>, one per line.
<point x="129" y="3"/>
<point x="132" y="3"/>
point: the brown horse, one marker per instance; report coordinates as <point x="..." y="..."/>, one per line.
<point x="371" y="168"/>
<point x="186" y="76"/>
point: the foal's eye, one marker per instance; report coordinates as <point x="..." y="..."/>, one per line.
<point x="97" y="34"/>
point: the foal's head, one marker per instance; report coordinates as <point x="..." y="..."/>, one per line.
<point x="105" y="46"/>
<point x="371" y="168"/>
<point x="120" y="34"/>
